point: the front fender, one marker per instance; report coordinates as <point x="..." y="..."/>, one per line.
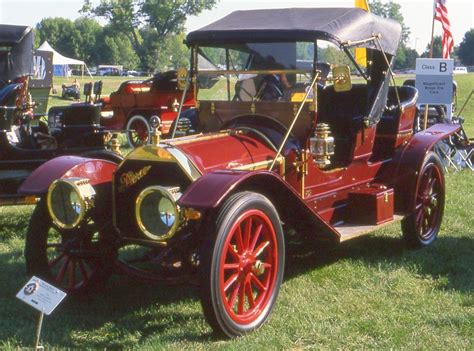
<point x="409" y="160"/>
<point x="97" y="171"/>
<point x="210" y="191"/>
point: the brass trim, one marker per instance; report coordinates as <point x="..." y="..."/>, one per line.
<point x="73" y="182"/>
<point x="166" y="153"/>
<point x="165" y="193"/>
<point x="200" y="137"/>
<point x="258" y="165"/>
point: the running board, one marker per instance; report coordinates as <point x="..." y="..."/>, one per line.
<point x="350" y="231"/>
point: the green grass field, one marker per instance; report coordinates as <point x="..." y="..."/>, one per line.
<point x="371" y="293"/>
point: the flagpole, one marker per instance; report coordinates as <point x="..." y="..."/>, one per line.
<point x="425" y="123"/>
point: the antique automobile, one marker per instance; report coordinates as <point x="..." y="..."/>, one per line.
<point x="26" y="140"/>
<point x="281" y="153"/>
<point x="135" y="102"/>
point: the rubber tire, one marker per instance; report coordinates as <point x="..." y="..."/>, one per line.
<point x="409" y="227"/>
<point x="36" y="253"/>
<point x="213" y="309"/>
<point x="146" y="124"/>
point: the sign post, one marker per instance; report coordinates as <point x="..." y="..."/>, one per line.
<point x="434" y="81"/>
<point x="42" y="296"/>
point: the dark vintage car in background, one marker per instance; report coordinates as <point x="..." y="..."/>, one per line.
<point x="28" y="140"/>
<point x="281" y="152"/>
<point x="136" y="101"/>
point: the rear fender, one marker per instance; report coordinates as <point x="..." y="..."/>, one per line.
<point x="210" y="191"/>
<point x="409" y="160"/>
<point x="97" y="171"/>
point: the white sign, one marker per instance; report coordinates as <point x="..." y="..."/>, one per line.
<point x="41" y="295"/>
<point x="434" y="81"/>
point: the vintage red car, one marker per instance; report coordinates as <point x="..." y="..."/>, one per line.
<point x="283" y="151"/>
<point x="136" y="101"/>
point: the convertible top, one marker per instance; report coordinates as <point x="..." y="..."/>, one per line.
<point x="11" y="35"/>
<point x="16" y="52"/>
<point x="337" y="25"/>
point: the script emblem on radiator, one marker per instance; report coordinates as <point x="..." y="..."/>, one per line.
<point x="131" y="178"/>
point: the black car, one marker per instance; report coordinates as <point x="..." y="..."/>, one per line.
<point x="28" y="140"/>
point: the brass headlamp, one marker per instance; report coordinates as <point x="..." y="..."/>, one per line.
<point x="69" y="200"/>
<point x="322" y="145"/>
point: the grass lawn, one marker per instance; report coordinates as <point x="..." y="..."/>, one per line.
<point x="371" y="293"/>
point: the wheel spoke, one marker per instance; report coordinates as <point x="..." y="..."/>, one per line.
<point x="62" y="271"/>
<point x="256" y="236"/>
<point x="240" y="242"/>
<point x="233" y="297"/>
<point x="257" y="282"/>
<point x="233" y="278"/>
<point x="261" y="248"/>
<point x="247" y="233"/>
<point x="234" y="254"/>
<point x="240" y="306"/>
<point x="419" y="216"/>
<point x="232" y="266"/>
<point x="72" y="274"/>
<point x="56" y="260"/>
<point x="249" y="293"/>
<point x="85" y="278"/>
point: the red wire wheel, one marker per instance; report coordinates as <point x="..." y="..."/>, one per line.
<point x="242" y="265"/>
<point x="422" y="226"/>
<point x="138" y="131"/>
<point x="73" y="260"/>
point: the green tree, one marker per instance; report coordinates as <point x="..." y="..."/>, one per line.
<point x="117" y="50"/>
<point x="62" y="34"/>
<point x="144" y="20"/>
<point x="437" y="48"/>
<point x="391" y="10"/>
<point x="466" y="49"/>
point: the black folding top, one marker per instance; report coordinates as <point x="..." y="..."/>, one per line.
<point x="10" y="34"/>
<point x="337" y="25"/>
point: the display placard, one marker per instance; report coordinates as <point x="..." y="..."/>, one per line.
<point x="434" y="81"/>
<point x="41" y="295"/>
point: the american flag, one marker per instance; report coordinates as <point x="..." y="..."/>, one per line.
<point x="441" y="14"/>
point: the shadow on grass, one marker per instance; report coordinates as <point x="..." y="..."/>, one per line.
<point x="449" y="257"/>
<point x="126" y="313"/>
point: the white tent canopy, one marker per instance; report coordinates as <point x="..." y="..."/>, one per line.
<point x="59" y="59"/>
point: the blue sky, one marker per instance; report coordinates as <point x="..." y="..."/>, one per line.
<point x="417" y="13"/>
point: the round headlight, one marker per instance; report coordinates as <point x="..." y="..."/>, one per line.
<point x="157" y="213"/>
<point x="68" y="201"/>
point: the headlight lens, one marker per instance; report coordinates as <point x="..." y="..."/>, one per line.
<point x="157" y="213"/>
<point x="69" y="200"/>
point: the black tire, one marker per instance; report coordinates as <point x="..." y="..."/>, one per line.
<point x="260" y="254"/>
<point x="90" y="258"/>
<point x="421" y="227"/>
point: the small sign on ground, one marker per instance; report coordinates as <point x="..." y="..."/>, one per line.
<point x="40" y="295"/>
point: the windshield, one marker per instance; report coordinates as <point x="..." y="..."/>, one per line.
<point x="254" y="71"/>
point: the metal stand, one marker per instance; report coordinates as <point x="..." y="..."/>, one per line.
<point x="38" y="332"/>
